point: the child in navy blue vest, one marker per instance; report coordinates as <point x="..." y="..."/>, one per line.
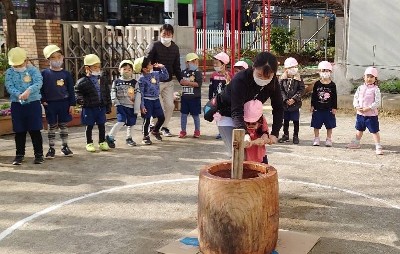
<point x="58" y="99"/>
<point x="125" y="95"/>
<point x="23" y="83"/>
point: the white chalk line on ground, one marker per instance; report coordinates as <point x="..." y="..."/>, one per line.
<point x="333" y="160"/>
<point x="20" y="223"/>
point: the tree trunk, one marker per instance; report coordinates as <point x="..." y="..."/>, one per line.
<point x="11" y="17"/>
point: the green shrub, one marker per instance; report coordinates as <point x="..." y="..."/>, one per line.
<point x="390" y="86"/>
<point x="280" y="39"/>
<point x="386" y="86"/>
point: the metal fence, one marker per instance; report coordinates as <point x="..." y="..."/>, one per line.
<point x="251" y="40"/>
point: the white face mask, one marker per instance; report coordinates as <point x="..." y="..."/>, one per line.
<point x="96" y="73"/>
<point x="166" y="41"/>
<point x="218" y="68"/>
<point x="20" y="69"/>
<point x="126" y="75"/>
<point x="292" y="71"/>
<point x="56" y="64"/>
<point x="325" y="75"/>
<point x="261" y="82"/>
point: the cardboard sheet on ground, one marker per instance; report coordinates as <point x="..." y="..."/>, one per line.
<point x="288" y="243"/>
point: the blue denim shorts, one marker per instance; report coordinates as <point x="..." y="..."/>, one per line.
<point x="192" y="106"/>
<point x="367" y="122"/>
<point x="126" y="115"/>
<point x="323" y="117"/>
<point x="57" y="112"/>
<point x="92" y="116"/>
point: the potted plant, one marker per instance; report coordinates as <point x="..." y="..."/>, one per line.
<point x="5" y="119"/>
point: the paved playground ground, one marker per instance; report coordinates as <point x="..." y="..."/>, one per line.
<point x="138" y="199"/>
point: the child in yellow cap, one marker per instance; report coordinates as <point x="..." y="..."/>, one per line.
<point x="191" y="94"/>
<point x="125" y="95"/>
<point x="149" y="83"/>
<point x="58" y="99"/>
<point x="23" y="83"/>
<point x="93" y="93"/>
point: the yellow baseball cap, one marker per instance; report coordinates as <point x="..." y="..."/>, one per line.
<point x="16" y="56"/>
<point x="50" y="49"/>
<point x="191" y="57"/>
<point x="91" y="59"/>
<point x="125" y="62"/>
<point x="137" y="64"/>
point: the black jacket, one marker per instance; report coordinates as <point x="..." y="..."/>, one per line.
<point x="168" y="56"/>
<point x="291" y="88"/>
<point x="244" y="89"/>
<point x="86" y="93"/>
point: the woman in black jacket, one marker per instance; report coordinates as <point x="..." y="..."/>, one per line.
<point x="261" y="83"/>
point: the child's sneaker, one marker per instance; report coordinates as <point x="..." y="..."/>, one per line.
<point x="296" y="140"/>
<point x="90" y="148"/>
<point x="66" y="151"/>
<point x="51" y="153"/>
<point x="104" y="146"/>
<point x="182" y="134"/>
<point x="284" y="138"/>
<point x="130" y="142"/>
<point x="38" y="159"/>
<point x="157" y="135"/>
<point x="196" y="134"/>
<point x="165" y="132"/>
<point x="316" y="141"/>
<point x="328" y="142"/>
<point x="110" y="141"/>
<point x="18" y="160"/>
<point x="146" y="140"/>
<point x="353" y="145"/>
<point x="379" y="150"/>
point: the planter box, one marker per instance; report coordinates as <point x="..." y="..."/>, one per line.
<point x="5" y="125"/>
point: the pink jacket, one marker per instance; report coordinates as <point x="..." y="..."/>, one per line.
<point x="367" y="96"/>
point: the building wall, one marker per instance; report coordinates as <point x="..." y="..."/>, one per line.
<point x="373" y="38"/>
<point x="34" y="34"/>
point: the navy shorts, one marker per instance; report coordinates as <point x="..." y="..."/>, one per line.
<point x="57" y="112"/>
<point x="323" y="117"/>
<point x="370" y="122"/>
<point x="92" y="116"/>
<point x="153" y="108"/>
<point x="126" y="115"/>
<point x="26" y="117"/>
<point x="191" y="105"/>
<point x="291" y="115"/>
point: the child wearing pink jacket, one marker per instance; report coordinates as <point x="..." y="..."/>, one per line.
<point x="366" y="101"/>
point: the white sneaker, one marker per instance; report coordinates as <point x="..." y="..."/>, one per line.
<point x="379" y="150"/>
<point x="165" y="132"/>
<point x="328" y="142"/>
<point x="316" y="141"/>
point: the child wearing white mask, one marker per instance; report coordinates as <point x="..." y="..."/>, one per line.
<point x="324" y="104"/>
<point x="366" y="101"/>
<point x="191" y="94"/>
<point x="220" y="77"/>
<point x="93" y="93"/>
<point x="292" y="88"/>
